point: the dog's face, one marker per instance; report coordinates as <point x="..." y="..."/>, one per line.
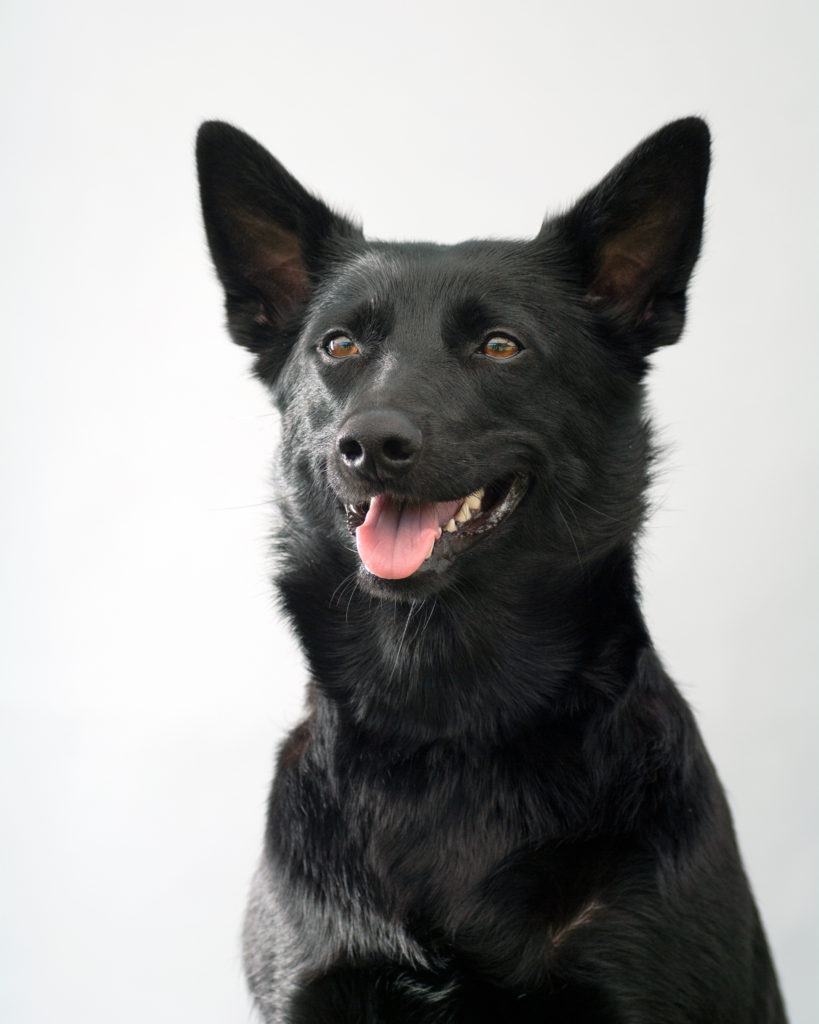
<point x="443" y="402"/>
<point x="448" y="398"/>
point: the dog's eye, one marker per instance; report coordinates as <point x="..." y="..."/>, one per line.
<point x="500" y="347"/>
<point x="340" y="347"/>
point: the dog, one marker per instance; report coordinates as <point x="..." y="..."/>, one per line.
<point x="499" y="807"/>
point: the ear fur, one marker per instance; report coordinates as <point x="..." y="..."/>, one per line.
<point x="637" y="235"/>
<point x="269" y="238"/>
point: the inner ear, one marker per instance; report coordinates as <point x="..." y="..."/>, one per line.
<point x="632" y="262"/>
<point x="272" y="263"/>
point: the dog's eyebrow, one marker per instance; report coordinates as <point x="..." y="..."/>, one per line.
<point x="372" y="316"/>
<point x="469" y="316"/>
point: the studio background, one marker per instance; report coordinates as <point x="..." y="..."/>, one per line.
<point x="146" y="676"/>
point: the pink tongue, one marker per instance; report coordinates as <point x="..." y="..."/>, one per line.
<point x="395" y="538"/>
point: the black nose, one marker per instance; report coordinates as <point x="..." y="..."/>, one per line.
<point x="379" y="444"/>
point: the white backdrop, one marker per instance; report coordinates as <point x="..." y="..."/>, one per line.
<point x="146" y="676"/>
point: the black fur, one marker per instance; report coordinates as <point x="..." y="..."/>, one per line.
<point x="499" y="807"/>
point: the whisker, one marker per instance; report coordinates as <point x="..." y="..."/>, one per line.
<point x="397" y="660"/>
<point x="571" y="535"/>
<point x="570" y="499"/>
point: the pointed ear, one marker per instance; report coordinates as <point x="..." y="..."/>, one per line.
<point x="269" y="238"/>
<point x="637" y="234"/>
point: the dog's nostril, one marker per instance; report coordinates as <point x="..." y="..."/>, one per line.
<point x="397" y="449"/>
<point x="351" y="450"/>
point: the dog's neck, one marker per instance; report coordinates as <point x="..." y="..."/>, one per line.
<point x="556" y="644"/>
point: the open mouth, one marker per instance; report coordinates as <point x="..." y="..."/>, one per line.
<point x="395" y="537"/>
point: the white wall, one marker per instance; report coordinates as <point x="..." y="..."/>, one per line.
<point x="146" y="675"/>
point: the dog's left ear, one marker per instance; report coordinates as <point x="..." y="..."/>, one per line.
<point x="270" y="239"/>
<point x="636" y="236"/>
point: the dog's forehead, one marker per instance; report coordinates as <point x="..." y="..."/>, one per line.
<point x="516" y="285"/>
<point x="435" y="275"/>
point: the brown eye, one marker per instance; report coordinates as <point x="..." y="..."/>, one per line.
<point x="341" y="347"/>
<point x="500" y="347"/>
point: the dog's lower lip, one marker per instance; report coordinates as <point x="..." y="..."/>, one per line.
<point x="356" y="514"/>
<point x="507" y="496"/>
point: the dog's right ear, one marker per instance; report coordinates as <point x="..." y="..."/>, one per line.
<point x="269" y="238"/>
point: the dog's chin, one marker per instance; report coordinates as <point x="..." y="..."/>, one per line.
<point x="472" y="524"/>
<point x="418" y="587"/>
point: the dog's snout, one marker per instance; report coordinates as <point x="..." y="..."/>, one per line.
<point x="379" y="444"/>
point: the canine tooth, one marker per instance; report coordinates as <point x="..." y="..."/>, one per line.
<point x="451" y="526"/>
<point x="463" y="515"/>
<point x="432" y="545"/>
<point x="474" y="501"/>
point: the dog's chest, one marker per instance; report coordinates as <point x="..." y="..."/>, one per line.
<point x="439" y="827"/>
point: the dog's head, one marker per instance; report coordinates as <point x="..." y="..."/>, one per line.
<point x="442" y="402"/>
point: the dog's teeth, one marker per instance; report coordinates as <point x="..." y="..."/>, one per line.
<point x="474" y="501"/>
<point x="429" y="553"/>
<point x="440" y="531"/>
<point x="451" y="526"/>
<point x="463" y="515"/>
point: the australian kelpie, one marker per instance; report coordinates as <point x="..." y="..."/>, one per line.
<point x="499" y="808"/>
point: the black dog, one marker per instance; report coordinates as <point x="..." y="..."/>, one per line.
<point x="499" y="808"/>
